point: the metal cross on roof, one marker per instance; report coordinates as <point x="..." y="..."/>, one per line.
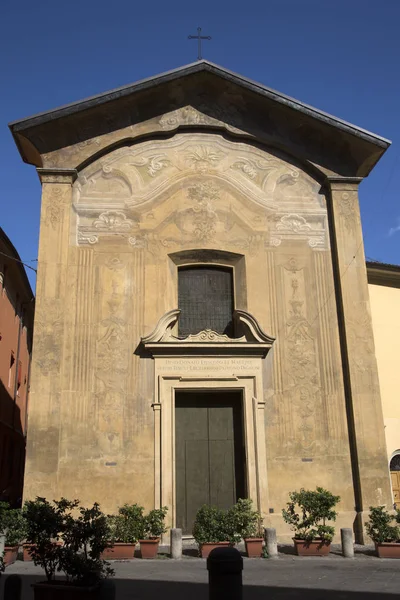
<point x="199" y="37"/>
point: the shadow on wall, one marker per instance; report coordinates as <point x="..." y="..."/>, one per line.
<point x="137" y="589"/>
<point x="12" y="449"/>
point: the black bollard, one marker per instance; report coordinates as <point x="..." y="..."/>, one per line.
<point x="13" y="587"/>
<point x="225" y="566"/>
<point x="107" y="590"/>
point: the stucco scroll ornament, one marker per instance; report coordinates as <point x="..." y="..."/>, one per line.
<point x="86" y="239"/>
<point x="208" y="335"/>
<point x="153" y="164"/>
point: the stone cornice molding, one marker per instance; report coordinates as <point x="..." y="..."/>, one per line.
<point x="252" y="342"/>
<point x="336" y="181"/>
<point x="57" y="175"/>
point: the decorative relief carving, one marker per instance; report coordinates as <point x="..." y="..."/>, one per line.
<point x="113" y="220"/>
<point x="153" y="164"/>
<point x="143" y="172"/>
<point x="185" y="116"/>
<point x="123" y="193"/>
<point x="301" y="355"/>
<point x="361" y="346"/>
<point x="83" y="239"/>
<point x="295" y="223"/>
<point x="293" y="226"/>
<point x="114" y="263"/>
<point x="205" y="217"/>
<point x="106" y="224"/>
<point x="211" y="336"/>
<point x="245" y="324"/>
<point x="55" y="207"/>
<point x="111" y="347"/>
<point x="48" y="336"/>
<point x="348" y="209"/>
<point x="203" y="158"/>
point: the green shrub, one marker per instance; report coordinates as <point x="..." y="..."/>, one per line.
<point x="246" y="521"/>
<point x="83" y="531"/>
<point x="16" y="527"/>
<point x="379" y="527"/>
<point x="127" y="525"/>
<point x="308" y="511"/>
<point x="213" y="525"/>
<point x="4" y="508"/>
<point x="152" y="524"/>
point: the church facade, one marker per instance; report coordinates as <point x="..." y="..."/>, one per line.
<point x="203" y="327"/>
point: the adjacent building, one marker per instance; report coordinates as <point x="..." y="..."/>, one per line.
<point x="16" y="328"/>
<point x="384" y="293"/>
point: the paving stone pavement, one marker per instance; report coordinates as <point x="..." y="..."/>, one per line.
<point x="288" y="578"/>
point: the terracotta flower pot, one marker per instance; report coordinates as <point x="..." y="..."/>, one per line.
<point x="59" y="590"/>
<point x="253" y="547"/>
<point x="10" y="555"/>
<point x="206" y="548"/>
<point x="314" y="548"/>
<point x="119" y="551"/>
<point x="388" y="549"/>
<point x="149" y="548"/>
<point x="26" y="548"/>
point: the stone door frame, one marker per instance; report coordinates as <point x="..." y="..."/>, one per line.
<point x="250" y="385"/>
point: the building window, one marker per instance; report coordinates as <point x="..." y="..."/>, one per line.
<point x="395" y="463"/>
<point x="205" y="299"/>
<point x="10" y="372"/>
<point x="19" y="376"/>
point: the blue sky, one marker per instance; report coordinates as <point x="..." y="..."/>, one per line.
<point x="341" y="56"/>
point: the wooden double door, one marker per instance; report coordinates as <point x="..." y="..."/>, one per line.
<point x="395" y="477"/>
<point x="209" y="452"/>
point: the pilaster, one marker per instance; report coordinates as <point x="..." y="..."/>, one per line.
<point x="48" y="342"/>
<point x="360" y="373"/>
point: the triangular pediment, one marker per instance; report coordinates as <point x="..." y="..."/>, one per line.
<point x="204" y="95"/>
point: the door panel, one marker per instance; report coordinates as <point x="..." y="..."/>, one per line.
<point x="209" y="452"/>
<point x="395" y="476"/>
<point x="197" y="480"/>
<point x="222" y="473"/>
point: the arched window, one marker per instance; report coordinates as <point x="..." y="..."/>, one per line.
<point x="205" y="299"/>
<point x="395" y="463"/>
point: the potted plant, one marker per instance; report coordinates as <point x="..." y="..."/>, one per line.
<point x="125" y="528"/>
<point x="384" y="530"/>
<point x="84" y="532"/>
<point x="152" y="527"/>
<point x="15" y="533"/>
<point x="307" y="514"/>
<point x="248" y="524"/>
<point x="213" y="527"/>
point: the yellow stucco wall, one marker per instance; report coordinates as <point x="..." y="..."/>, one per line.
<point x="385" y="303"/>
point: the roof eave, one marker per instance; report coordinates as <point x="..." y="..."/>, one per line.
<point x="196" y="67"/>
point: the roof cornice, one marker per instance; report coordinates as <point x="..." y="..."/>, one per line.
<point x="196" y="67"/>
<point x="383" y="274"/>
